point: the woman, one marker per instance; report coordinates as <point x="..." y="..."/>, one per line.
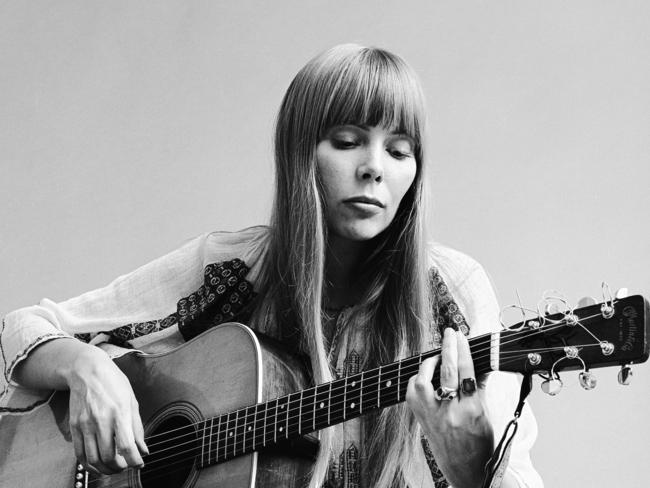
<point x="342" y="272"/>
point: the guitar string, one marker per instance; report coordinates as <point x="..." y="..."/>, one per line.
<point x="195" y="455"/>
<point x="160" y="471"/>
<point x="236" y="437"/>
<point x="479" y="341"/>
<point x="341" y="389"/>
<point x="163" y="470"/>
<point x="239" y="438"/>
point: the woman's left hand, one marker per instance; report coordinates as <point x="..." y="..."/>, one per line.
<point x="454" y="417"/>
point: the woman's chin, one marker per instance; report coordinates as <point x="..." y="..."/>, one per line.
<point x="358" y="233"/>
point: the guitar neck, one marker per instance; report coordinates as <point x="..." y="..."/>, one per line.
<point x="294" y="415"/>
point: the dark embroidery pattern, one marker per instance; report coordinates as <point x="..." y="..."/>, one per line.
<point x="446" y="311"/>
<point x="345" y="472"/>
<point x="436" y="474"/>
<point x="127" y="332"/>
<point x="223" y="294"/>
<point x="350" y="365"/>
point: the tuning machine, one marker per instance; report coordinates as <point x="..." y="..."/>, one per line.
<point x="625" y="374"/>
<point x="587" y="380"/>
<point x="552" y="386"/>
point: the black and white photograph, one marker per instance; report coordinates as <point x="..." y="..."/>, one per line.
<point x="312" y="244"/>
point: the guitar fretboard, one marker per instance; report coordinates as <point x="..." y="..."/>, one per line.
<point x="284" y="418"/>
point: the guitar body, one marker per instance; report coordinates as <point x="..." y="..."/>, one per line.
<point x="222" y="370"/>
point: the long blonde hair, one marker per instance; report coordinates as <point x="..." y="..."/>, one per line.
<point x="349" y="84"/>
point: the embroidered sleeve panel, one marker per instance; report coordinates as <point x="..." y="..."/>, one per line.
<point x="223" y="296"/>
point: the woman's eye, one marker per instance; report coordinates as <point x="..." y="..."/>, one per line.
<point x="344" y="143"/>
<point x="400" y="148"/>
<point x="399" y="153"/>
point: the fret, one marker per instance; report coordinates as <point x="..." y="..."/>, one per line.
<point x="345" y="397"/>
<point x="210" y="439"/>
<point x="216" y="457"/>
<point x="228" y="434"/>
<point x="266" y="414"/>
<point x="275" y="422"/>
<point x="300" y="413"/>
<point x="361" y="394"/>
<point x="254" y="426"/>
<point x="288" y="413"/>
<point x="260" y="425"/>
<point x="203" y="436"/>
<point x="399" y="377"/>
<point x="247" y="427"/>
<point x="329" y="403"/>
<point x="315" y="403"/>
<point x="234" y="443"/>
<point x="379" y="387"/>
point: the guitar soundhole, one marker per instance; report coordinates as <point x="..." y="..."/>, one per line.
<point x="173" y="446"/>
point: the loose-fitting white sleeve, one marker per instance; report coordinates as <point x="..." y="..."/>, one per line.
<point x="471" y="288"/>
<point x="147" y="295"/>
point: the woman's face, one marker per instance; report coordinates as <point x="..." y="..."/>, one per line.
<point x="365" y="172"/>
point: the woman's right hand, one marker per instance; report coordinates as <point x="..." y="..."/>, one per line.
<point x="105" y="421"/>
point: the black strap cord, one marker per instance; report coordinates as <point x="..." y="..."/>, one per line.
<point x="496" y="466"/>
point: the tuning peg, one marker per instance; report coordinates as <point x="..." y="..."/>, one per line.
<point x="621" y="293"/>
<point x="625" y="375"/>
<point x="552" y="387"/>
<point x="586" y="301"/>
<point x="587" y="380"/>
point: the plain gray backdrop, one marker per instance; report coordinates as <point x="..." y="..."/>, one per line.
<point x="127" y="128"/>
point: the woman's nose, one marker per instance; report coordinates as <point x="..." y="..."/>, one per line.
<point x="371" y="167"/>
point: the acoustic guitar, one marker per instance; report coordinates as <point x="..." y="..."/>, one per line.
<point x="231" y="410"/>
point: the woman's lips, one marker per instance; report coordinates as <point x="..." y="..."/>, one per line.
<point x="364" y="207"/>
<point x="365" y="201"/>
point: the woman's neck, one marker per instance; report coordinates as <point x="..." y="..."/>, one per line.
<point x="341" y="266"/>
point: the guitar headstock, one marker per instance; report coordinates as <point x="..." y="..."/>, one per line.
<point x="606" y="334"/>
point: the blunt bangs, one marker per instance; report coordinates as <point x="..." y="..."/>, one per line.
<point x="375" y="88"/>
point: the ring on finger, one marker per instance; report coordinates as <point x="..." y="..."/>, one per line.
<point x="445" y="394"/>
<point x="468" y="386"/>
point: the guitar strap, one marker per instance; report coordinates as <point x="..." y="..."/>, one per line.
<point x="496" y="466"/>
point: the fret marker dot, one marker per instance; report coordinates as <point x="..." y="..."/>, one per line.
<point x="230" y="434"/>
<point x="250" y="428"/>
<point x="322" y="404"/>
<point x="352" y="405"/>
<point x="281" y="429"/>
<point x="354" y="383"/>
<point x="281" y="406"/>
<point x="389" y="382"/>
